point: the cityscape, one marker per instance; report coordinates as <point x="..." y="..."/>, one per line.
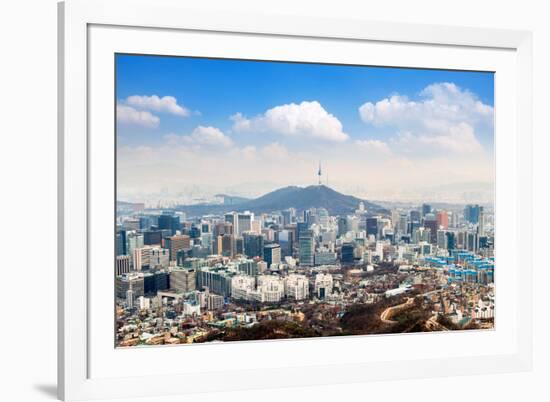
<point x="295" y="223"/>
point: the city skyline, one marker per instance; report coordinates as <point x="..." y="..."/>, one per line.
<point x="381" y="133"/>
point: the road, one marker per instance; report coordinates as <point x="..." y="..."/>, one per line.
<point x="388" y="313"/>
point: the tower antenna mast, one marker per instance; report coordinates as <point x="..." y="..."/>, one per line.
<point x="319" y="173"/>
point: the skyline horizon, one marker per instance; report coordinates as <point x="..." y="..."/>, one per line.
<point x="211" y="197"/>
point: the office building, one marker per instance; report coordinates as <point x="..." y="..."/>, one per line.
<point x="372" y="226"/>
<point x="323" y="285"/>
<point x="296" y="287"/>
<point x="182" y="279"/>
<point x="122" y="264"/>
<point x="347" y="253"/>
<point x="253" y="245"/>
<point x="306" y="248"/>
<point x="272" y="254"/>
<point x="176" y="243"/>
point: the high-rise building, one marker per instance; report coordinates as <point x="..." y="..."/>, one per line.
<point x="301" y="227"/>
<point x="272" y="254"/>
<point x="347" y="253"/>
<point x="121" y="242"/>
<point x="296" y="286"/>
<point x="426" y="209"/>
<point x="134" y="240"/>
<point x="152" y="237"/>
<point x="253" y="245"/>
<point x="472" y="242"/>
<point x="132" y="281"/>
<point x="443" y="220"/>
<point x="232" y="219"/>
<point x="159" y="257"/>
<point x="169" y="222"/>
<point x="131" y="224"/>
<point x="415" y="215"/>
<point x="228" y="245"/>
<point x="372" y="226"/>
<point x="182" y="279"/>
<point x="176" y="243"/>
<point x="142" y="258"/>
<point x="430" y="222"/>
<point x="206" y="241"/>
<point x="442" y="239"/>
<point x="481" y="222"/>
<point x="122" y="264"/>
<point x="289" y="216"/>
<point x="241" y="286"/>
<point x="342" y="226"/>
<point x="325" y="257"/>
<point x="323" y="216"/>
<point x="471" y="213"/>
<point x="217" y="280"/>
<point x="244" y="223"/>
<point x="239" y="245"/>
<point x="323" y="285"/>
<point x="307" y="248"/>
<point x="286" y="241"/>
<point x="451" y="240"/>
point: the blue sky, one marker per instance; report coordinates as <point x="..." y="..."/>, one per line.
<point x="307" y="111"/>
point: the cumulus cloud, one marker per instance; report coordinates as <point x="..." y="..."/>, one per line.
<point x="166" y="104"/>
<point x="201" y="136"/>
<point x="307" y="119"/>
<point x="128" y="115"/>
<point x="446" y="118"/>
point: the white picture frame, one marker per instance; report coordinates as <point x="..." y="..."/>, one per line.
<point x="84" y="26"/>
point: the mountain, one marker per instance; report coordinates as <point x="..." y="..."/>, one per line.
<point x="300" y="198"/>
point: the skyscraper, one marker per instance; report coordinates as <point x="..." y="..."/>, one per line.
<point x="471" y="213"/>
<point x="244" y="223"/>
<point x="231" y="218"/>
<point x="342" y="226"/>
<point x="347" y="253"/>
<point x="169" y="222"/>
<point x="443" y="219"/>
<point x="430" y="222"/>
<point x="481" y="222"/>
<point x="372" y="226"/>
<point x="286" y="241"/>
<point x="121" y="242"/>
<point x="228" y="245"/>
<point x="176" y="243"/>
<point x="307" y="248"/>
<point x="426" y="209"/>
<point x="272" y="254"/>
<point x="122" y="264"/>
<point x="253" y="244"/>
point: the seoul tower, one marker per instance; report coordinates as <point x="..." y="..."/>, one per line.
<point x="319" y="173"/>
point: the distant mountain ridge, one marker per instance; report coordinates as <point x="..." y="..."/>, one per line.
<point x="301" y="198"/>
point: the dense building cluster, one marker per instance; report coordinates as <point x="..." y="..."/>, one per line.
<point x="192" y="279"/>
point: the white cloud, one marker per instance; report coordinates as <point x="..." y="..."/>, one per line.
<point x="446" y="118"/>
<point x="166" y="104"/>
<point x="376" y="146"/>
<point x="308" y="119"/>
<point x="201" y="136"/>
<point x="128" y="115"/>
<point x="459" y="139"/>
<point x="275" y="151"/>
